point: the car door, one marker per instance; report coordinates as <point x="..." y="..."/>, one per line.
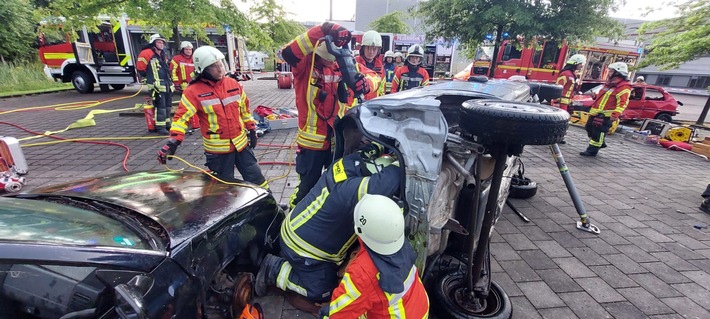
<point x="653" y="102"/>
<point x="636" y="104"/>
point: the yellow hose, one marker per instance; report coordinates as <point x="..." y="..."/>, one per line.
<point x="70" y="106"/>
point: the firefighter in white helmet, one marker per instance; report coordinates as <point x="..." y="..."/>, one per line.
<point x="384" y="249"/>
<point x="569" y="81"/>
<point x="398" y="60"/>
<point x="219" y="101"/>
<point x="152" y="66"/>
<point x="181" y="67"/>
<point x="412" y="74"/>
<point x="608" y="106"/>
<point x="371" y="58"/>
<point x="390" y="67"/>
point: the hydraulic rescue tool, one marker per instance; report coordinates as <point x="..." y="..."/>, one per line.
<point x="346" y="63"/>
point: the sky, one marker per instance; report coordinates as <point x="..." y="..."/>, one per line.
<point x="319" y="10"/>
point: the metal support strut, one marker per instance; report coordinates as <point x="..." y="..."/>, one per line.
<point x="583" y="223"/>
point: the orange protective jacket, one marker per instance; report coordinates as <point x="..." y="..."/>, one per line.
<point x="316" y="87"/>
<point x="359" y="294"/>
<point x="223" y="110"/>
<point x="405" y="79"/>
<point x="181" y="69"/>
<point x="567" y="79"/>
<point x="379" y="68"/>
<point x="612" y="98"/>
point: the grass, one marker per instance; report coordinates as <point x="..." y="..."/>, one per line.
<point x="25" y="76"/>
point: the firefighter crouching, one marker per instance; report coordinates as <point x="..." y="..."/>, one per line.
<point x="152" y="65"/>
<point x="610" y="102"/>
<point x="411" y="75"/>
<point x="228" y="129"/>
<point x="317" y="234"/>
<point x="371" y="58"/>
<point x="321" y="97"/>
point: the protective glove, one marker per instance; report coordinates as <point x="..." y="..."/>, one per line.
<point x="598" y="121"/>
<point x="252" y="139"/>
<point x="615" y="116"/>
<point x="168" y="149"/>
<point x="341" y="36"/>
<point x="371" y="151"/>
<point x="361" y="85"/>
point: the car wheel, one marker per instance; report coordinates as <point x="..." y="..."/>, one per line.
<point x="522" y="188"/>
<point x="450" y="298"/>
<point x="82" y="81"/>
<point x="104" y="88"/>
<point x="118" y="86"/>
<point x="545" y="91"/>
<point x="498" y="121"/>
<point x="665" y="117"/>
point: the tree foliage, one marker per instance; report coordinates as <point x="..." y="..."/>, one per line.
<point x="390" y="23"/>
<point x="279" y="30"/>
<point x="677" y="40"/>
<point x="16" y="30"/>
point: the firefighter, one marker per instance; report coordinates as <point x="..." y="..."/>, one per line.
<point x="316" y="235"/>
<point x="411" y="75"/>
<point x="153" y="66"/>
<point x="371" y="58"/>
<point x="181" y="67"/>
<point x="398" y="60"/>
<point x="379" y="225"/>
<point x="229" y="131"/>
<point x="321" y="97"/>
<point x="568" y="79"/>
<point x="389" y="67"/>
<point x="610" y="102"/>
<point x="640" y="80"/>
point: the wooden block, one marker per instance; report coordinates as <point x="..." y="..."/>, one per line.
<point x="706" y="140"/>
<point x="700" y="146"/>
<point x="702" y="152"/>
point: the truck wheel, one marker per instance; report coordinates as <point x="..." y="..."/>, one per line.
<point x="517" y="123"/>
<point x="118" y="86"/>
<point x="104" y="88"/>
<point x="82" y="81"/>
<point x="545" y="91"/>
<point x="665" y="117"/>
<point x="450" y="300"/>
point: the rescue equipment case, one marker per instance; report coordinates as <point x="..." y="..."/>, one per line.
<point x="12" y="156"/>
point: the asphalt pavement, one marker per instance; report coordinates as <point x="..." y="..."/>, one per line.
<point x="651" y="260"/>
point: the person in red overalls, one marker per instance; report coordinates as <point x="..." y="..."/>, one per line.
<point x="181" y="67"/>
<point x="610" y="102"/>
<point x="568" y="79"/>
<point x="412" y="74"/>
<point x="371" y="58"/>
<point x="381" y="281"/>
<point x="228" y="129"/>
<point x="321" y="97"/>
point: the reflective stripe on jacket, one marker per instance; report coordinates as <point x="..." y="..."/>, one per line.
<point x="316" y="88"/>
<point x="154" y="67"/>
<point x="321" y="225"/>
<point x="359" y="293"/>
<point x="223" y="111"/>
<point x="567" y="80"/>
<point x="181" y="68"/>
<point x="405" y="78"/>
<point x="389" y="75"/>
<point x="612" y="98"/>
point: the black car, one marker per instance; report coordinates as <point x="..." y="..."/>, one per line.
<point x="135" y="245"/>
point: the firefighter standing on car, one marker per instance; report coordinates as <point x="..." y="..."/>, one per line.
<point x="321" y="97"/>
<point x="371" y="58"/>
<point x="610" y="102"/>
<point x="181" y="68"/>
<point x="153" y="66"/>
<point x="390" y="67"/>
<point x="412" y="74"/>
<point x="228" y="129"/>
<point x="317" y="234"/>
<point x="382" y="281"/>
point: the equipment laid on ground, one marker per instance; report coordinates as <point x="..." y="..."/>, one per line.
<point x="12" y="165"/>
<point x="680" y="134"/>
<point x="702" y="148"/>
<point x="642" y="137"/>
<point x="284" y="77"/>
<point x="656" y="127"/>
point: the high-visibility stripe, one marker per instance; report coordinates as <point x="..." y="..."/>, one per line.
<point x="362" y="188"/>
<point x="307" y="213"/>
<point x="125" y="59"/>
<point x="58" y="56"/>
<point x="174" y="67"/>
<point x="327" y="78"/>
<point x="303" y="248"/>
<point x="395" y="302"/>
<point x="351" y="294"/>
<point x="211" y="119"/>
<point x="304" y="43"/>
<point x="231" y="99"/>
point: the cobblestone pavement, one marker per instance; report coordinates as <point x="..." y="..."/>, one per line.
<point x="649" y="261"/>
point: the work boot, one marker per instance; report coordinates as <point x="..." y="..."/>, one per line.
<point x="604" y="145"/>
<point x="705" y="205"/>
<point x="162" y="131"/>
<point x="267" y="274"/>
<point x="562" y="142"/>
<point x="590" y="151"/>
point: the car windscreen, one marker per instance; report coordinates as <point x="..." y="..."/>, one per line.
<point x="594" y="90"/>
<point x="50" y="223"/>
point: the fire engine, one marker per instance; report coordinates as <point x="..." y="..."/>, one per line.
<point x="543" y="63"/>
<point x="107" y="57"/>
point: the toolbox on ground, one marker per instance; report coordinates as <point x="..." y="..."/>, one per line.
<point x="276" y="119"/>
<point x="642" y="138"/>
<point x="12" y="157"/>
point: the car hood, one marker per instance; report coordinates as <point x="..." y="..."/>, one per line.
<point x="501" y="89"/>
<point x="183" y="203"/>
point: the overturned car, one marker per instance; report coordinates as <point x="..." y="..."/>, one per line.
<point x="458" y="143"/>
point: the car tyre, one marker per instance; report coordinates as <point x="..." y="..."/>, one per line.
<point x="497" y="306"/>
<point x="83" y="81"/>
<point x="518" y="123"/>
<point x="522" y="188"/>
<point x="118" y="86"/>
<point x="665" y="117"/>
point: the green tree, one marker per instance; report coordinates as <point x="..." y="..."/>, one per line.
<point x="279" y="30"/>
<point x="470" y="21"/>
<point x="390" y="23"/>
<point x="677" y="40"/>
<point x="17" y="31"/>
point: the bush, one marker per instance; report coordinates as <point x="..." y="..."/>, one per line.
<point x="25" y="76"/>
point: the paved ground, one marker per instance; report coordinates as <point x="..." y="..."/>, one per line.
<point x="648" y="262"/>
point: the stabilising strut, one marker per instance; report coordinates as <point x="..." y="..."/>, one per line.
<point x="583" y="223"/>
